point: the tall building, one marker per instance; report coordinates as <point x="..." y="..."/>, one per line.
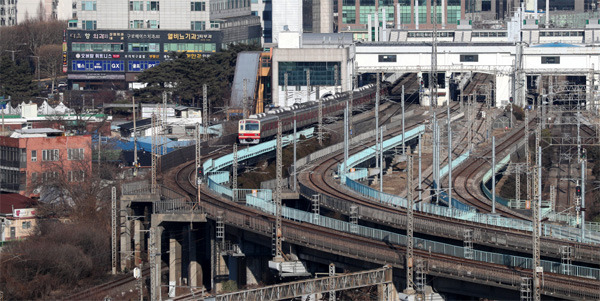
<point x="8" y="12"/>
<point x="287" y="16"/>
<point x="354" y="14"/>
<point x="111" y="41"/>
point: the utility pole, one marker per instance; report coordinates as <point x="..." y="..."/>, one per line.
<point x="449" y="168"/>
<point x="527" y="155"/>
<point x="320" y="133"/>
<point x="433" y="75"/>
<point x="154" y="267"/>
<point x="582" y="209"/>
<point x="493" y="174"/>
<point x="377" y="92"/>
<point x="336" y="79"/>
<point x="199" y="173"/>
<point x="420" y="179"/>
<point x="113" y="222"/>
<point x="285" y="88"/>
<point x="245" y="99"/>
<point x="295" y="169"/>
<point x="403" y="128"/>
<point x="205" y="116"/>
<point x="278" y="230"/>
<point x="537" y="267"/>
<point x="410" y="283"/>
<point x="234" y="183"/>
<point x="135" y="155"/>
<point x="308" y="88"/>
<point x="354" y="85"/>
<point x="155" y="151"/>
<point x="345" y="170"/>
<point x="163" y="124"/>
<point x="381" y="163"/>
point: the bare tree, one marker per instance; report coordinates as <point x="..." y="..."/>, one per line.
<point x="50" y="57"/>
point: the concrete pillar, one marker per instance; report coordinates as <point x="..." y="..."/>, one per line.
<point x="125" y="239"/>
<point x="157" y="264"/>
<point x="194" y="267"/>
<point x="174" y="264"/>
<point x="253" y="270"/>
<point x="137" y="241"/>
<point x="502" y="88"/>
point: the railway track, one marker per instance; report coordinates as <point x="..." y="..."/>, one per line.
<point x="352" y="246"/>
<point x="100" y="291"/>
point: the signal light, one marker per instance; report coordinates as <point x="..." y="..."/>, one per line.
<point x="578" y="190"/>
<point x="510" y="100"/>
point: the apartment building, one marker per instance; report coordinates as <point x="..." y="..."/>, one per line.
<point x="30" y="158"/>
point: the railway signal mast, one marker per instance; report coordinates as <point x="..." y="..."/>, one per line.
<point x="433" y="88"/>
<point x="278" y="231"/>
<point x="410" y="283"/>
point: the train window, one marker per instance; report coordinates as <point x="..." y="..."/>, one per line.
<point x="550" y="59"/>
<point x="387" y="58"/>
<point x="252" y="127"/>
<point x="469" y="58"/>
<point x="502" y="34"/>
<point x="475" y="35"/>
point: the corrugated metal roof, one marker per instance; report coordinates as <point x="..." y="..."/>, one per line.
<point x="246" y="67"/>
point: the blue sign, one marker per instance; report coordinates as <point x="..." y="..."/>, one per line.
<point x="139" y="66"/>
<point x="98" y="66"/>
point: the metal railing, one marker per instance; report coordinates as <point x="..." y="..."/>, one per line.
<point x="422" y="244"/>
<point x="134" y="188"/>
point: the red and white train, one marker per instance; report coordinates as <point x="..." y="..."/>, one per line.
<point x="261" y="127"/>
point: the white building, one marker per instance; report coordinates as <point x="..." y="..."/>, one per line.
<point x="287" y="16"/>
<point x="169" y="15"/>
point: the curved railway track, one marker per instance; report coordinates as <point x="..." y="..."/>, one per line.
<point x="352" y="246"/>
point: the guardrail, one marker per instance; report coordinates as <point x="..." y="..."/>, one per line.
<point x="422" y="244"/>
<point x="175" y="206"/>
<point x="134" y="188"/>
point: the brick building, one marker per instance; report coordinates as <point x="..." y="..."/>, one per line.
<point x="30" y="158"/>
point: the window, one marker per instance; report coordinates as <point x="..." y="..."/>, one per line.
<point x="136" y="5"/>
<point x="76" y="176"/>
<point x="97" y="47"/>
<point x="153" y="24"/>
<point x="33" y="156"/>
<point x="215" y="24"/>
<point x="198" y="25"/>
<point x="190" y="47"/>
<point x="136" y="24"/>
<point x="49" y="176"/>
<point x="152" y="6"/>
<point x="50" y="155"/>
<point x="144" y="47"/>
<point x="75" y="154"/>
<point x="469" y="58"/>
<point x="321" y="73"/>
<point x="550" y="59"/>
<point x="198" y="6"/>
<point x="34" y="177"/>
<point x="26" y="225"/>
<point x="88" y="5"/>
<point x="387" y="58"/>
<point x="88" y="25"/>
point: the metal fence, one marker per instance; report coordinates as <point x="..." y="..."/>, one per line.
<point x="134" y="188"/>
<point x="422" y="244"/>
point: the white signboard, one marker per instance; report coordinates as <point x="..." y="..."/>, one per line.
<point x="23" y="213"/>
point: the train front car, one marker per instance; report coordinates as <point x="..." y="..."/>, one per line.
<point x="249" y="131"/>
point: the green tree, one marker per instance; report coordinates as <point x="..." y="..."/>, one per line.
<point x="16" y="79"/>
<point x="184" y="77"/>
